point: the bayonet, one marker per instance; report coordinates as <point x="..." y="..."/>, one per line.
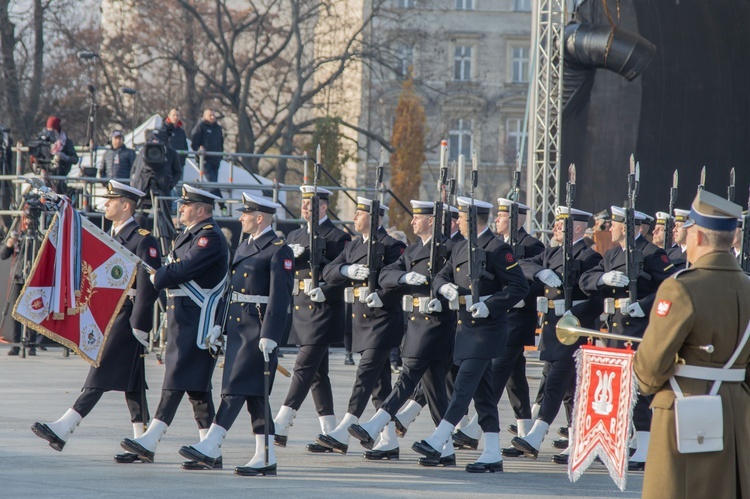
<point x="702" y="183"/>
<point x="571" y="266"/>
<point x="669" y="223"/>
<point x="730" y="189"/>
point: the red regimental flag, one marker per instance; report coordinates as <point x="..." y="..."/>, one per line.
<point x="604" y="401"/>
<point x="89" y="287"/>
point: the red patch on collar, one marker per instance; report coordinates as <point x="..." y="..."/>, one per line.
<point x="287" y="264"/>
<point x="153" y="253"/>
<point x="203" y="242"/>
<point x="509" y="257"/>
<point x="663" y="307"/>
<point x="665" y="258"/>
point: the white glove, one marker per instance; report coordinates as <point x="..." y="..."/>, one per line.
<point x="549" y="278"/>
<point x="434" y="306"/>
<point x="479" y="310"/>
<point x="141" y="336"/>
<point x="356" y="271"/>
<point x="297" y="249"/>
<point x="317" y="295"/>
<point x="520" y="304"/>
<point x="151" y="278"/>
<point x="373" y="301"/>
<point x="615" y="278"/>
<point x="213" y="338"/>
<point x="450" y="291"/>
<point x="266" y="345"/>
<point x="414" y="278"/>
<point x="635" y="310"/>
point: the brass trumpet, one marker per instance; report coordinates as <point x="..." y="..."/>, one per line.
<point x="569" y="330"/>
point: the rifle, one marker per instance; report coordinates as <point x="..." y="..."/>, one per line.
<point x="702" y="182"/>
<point x="571" y="266"/>
<point x="438" y="251"/>
<point x="633" y="257"/>
<point x="518" y="250"/>
<point x="477" y="256"/>
<point x="730" y="189"/>
<point x="316" y="249"/>
<point x="669" y="223"/>
<point x="375" y="248"/>
<point x="745" y="248"/>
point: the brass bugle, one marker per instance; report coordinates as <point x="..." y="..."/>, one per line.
<point x="569" y="330"/>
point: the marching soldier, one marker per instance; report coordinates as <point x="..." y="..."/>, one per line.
<point x="559" y="364"/>
<point x="427" y="344"/>
<point x="708" y="304"/>
<point x="509" y="370"/>
<point x="262" y="275"/>
<point x="608" y="280"/>
<point x="480" y="335"/>
<point x="194" y="278"/>
<point x="317" y="321"/>
<point x="121" y="366"/>
<point x="678" y="253"/>
<point x="377" y="321"/>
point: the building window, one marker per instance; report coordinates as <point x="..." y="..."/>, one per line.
<point x="464" y="4"/>
<point x="460" y="139"/>
<point x="514" y="135"/>
<point x="520" y="65"/>
<point x="522" y="5"/>
<point x="405" y="55"/>
<point x="405" y="4"/>
<point x="462" y="63"/>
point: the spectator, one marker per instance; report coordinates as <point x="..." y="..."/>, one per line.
<point x="177" y="137"/>
<point x="208" y="136"/>
<point x="63" y="154"/>
<point x="117" y="160"/>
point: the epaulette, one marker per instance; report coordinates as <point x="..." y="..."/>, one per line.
<point x="279" y="242"/>
<point x="206" y="227"/>
<point x="674" y="276"/>
<point x="144" y="232"/>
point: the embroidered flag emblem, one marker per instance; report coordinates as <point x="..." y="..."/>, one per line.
<point x="153" y="253"/>
<point x="662" y="308"/>
<point x="203" y="242"/>
<point x="287" y="264"/>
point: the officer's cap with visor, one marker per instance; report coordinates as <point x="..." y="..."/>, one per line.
<point x="681" y="215"/>
<point x="618" y="215"/>
<point x="503" y="205"/>
<point x="422" y="207"/>
<point x="454" y="211"/>
<point x="562" y="212"/>
<point x="117" y="189"/>
<point x="713" y="212"/>
<point x="662" y="217"/>
<point x="252" y="203"/>
<point x="363" y="204"/>
<point x="483" y="207"/>
<point x="308" y="192"/>
<point x="192" y="194"/>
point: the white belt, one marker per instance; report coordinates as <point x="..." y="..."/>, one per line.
<point x="240" y="298"/>
<point x="551" y="303"/>
<point x="710" y="373"/>
<point x="131" y="293"/>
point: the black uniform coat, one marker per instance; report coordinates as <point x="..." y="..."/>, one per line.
<point x="549" y="346"/>
<point x="656" y="265"/>
<point x="371" y="327"/>
<point x="265" y="268"/>
<point x="199" y="254"/>
<point x="484" y="338"/>
<point x="121" y="366"/>
<point x="522" y="321"/>
<point x="678" y="257"/>
<point x="427" y="336"/>
<point x="318" y="323"/>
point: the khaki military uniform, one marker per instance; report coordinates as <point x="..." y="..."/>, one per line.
<point x="709" y="304"/>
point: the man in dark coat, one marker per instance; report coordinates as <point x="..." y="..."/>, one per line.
<point x="608" y="280"/>
<point x="377" y="321"/>
<point x="480" y="335"/>
<point x="547" y="270"/>
<point x="121" y="366"/>
<point x="208" y="136"/>
<point x="63" y="152"/>
<point x="117" y="160"/>
<point x="261" y="289"/>
<point x="678" y="253"/>
<point x="177" y="138"/>
<point x="195" y="272"/>
<point x="428" y="339"/>
<point x="317" y="320"/>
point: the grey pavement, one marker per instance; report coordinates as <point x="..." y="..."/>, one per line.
<point x="41" y="388"/>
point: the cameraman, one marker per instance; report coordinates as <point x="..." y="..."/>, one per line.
<point x="62" y="151"/>
<point x="12" y="248"/>
<point x="117" y="161"/>
<point x="157" y="168"/>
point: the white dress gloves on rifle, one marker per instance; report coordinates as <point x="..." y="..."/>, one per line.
<point x="614" y="278"/>
<point x="549" y="278"/>
<point x="355" y="271"/>
<point x="450" y="291"/>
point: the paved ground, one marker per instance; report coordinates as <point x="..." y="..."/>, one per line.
<point x="41" y="388"/>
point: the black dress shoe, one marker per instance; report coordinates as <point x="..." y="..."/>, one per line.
<point x="127" y="458"/>
<point x="563" y="432"/>
<point x="513" y="429"/>
<point x="636" y="466"/>
<point x="462" y="440"/>
<point x="317" y="448"/>
<point x="361" y="434"/>
<point x="560" y="459"/>
<point x="194" y="455"/>
<point x="31" y="352"/>
<point x="269" y="470"/>
<point x="485" y="467"/>
<point x="400" y="429"/>
<point x="426" y="450"/>
<point x="443" y="461"/>
<point x="560" y="443"/>
<point x="41" y="430"/>
<point x="511" y="452"/>
<point x="279" y="440"/>
<point x="14" y="351"/>
<point x="332" y="444"/>
<point x="144" y="454"/>
<point x="348" y="360"/>
<point x="195" y="465"/>
<point x="378" y="455"/>
<point x="522" y="445"/>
